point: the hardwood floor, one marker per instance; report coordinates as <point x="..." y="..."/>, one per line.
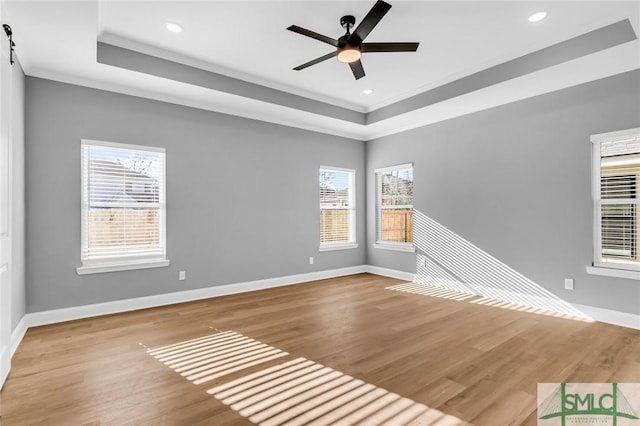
<point x="338" y="351"/>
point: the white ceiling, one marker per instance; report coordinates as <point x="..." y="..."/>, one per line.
<point x="249" y="41"/>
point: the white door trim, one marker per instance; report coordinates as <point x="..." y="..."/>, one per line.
<point x="6" y="96"/>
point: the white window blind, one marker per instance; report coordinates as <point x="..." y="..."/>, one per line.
<point x="123" y="203"/>
<point x="394" y="205"/>
<point x="616" y="174"/>
<point x="337" y="206"/>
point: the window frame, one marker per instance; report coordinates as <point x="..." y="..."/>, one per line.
<point x="599" y="266"/>
<point x="352" y="243"/>
<point x="120" y="263"/>
<point x="389" y="245"/>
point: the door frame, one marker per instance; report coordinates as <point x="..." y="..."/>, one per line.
<point x="6" y="97"/>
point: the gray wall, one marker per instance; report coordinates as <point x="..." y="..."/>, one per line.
<point x="18" y="302"/>
<point x="515" y="181"/>
<point x="242" y="195"/>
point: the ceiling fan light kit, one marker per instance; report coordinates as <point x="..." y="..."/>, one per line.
<point x="349" y="54"/>
<point x="351" y="46"/>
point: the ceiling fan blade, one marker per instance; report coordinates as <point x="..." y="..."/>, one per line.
<point x="312" y="34"/>
<point x="316" y="61"/>
<point x="389" y="47"/>
<point x="356" y="67"/>
<point x="369" y="22"/>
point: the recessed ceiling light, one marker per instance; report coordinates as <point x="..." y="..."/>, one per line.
<point x="538" y="16"/>
<point x="173" y="27"/>
<point x="367" y="91"/>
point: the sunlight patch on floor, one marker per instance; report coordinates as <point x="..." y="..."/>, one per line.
<point x="428" y="290"/>
<point x="300" y="392"/>
<point x="294" y="392"/>
<point x="432" y="291"/>
<point x="210" y="357"/>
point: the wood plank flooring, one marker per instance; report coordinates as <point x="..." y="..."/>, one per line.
<point x="343" y="351"/>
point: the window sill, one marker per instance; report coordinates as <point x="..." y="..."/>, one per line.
<point x="341" y="246"/>
<point x="124" y="266"/>
<point x="612" y="272"/>
<point x="406" y="247"/>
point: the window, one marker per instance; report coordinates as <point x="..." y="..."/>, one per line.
<point x="123" y="207"/>
<point x="394" y="207"/>
<point x="337" y="208"/>
<point x="616" y="170"/>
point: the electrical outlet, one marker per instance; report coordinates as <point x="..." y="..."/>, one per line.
<point x="310" y="260"/>
<point x="182" y="275"/>
<point x="568" y="283"/>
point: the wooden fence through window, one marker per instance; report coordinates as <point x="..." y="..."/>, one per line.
<point x="397" y="226"/>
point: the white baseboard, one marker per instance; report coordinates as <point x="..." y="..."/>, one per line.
<point x="392" y="273"/>
<point x="78" y="312"/>
<point x="5" y="365"/>
<point x="17" y="335"/>
<point x="34" y="319"/>
<point x="7" y="353"/>
<point x="609" y="316"/>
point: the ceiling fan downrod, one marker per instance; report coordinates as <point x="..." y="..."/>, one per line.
<point x="347" y="22"/>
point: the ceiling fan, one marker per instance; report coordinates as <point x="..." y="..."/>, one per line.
<point x="351" y="46"/>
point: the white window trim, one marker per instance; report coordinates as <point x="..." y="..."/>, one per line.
<point x="389" y="245"/>
<point x="129" y="146"/>
<point x="121" y="266"/>
<point x="392" y="168"/>
<point x="337" y="246"/>
<point x="124" y="264"/>
<point x="385" y="245"/>
<point x="600" y="267"/>
<point x="611" y="272"/>
<point x="352" y="243"/>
